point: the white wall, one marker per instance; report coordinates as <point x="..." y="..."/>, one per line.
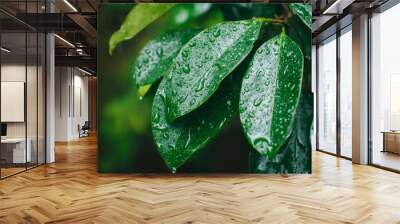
<point x="314" y="90"/>
<point x="71" y="102"/>
<point x="33" y="127"/>
<point x="16" y="73"/>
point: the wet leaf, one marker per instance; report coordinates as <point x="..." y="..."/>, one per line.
<point x="179" y="140"/>
<point x="270" y="94"/>
<point x="303" y="11"/>
<point x="300" y="33"/>
<point x="142" y="90"/>
<point x="205" y="61"/>
<point x="138" y="18"/>
<point x="295" y="155"/>
<point x="156" y="58"/>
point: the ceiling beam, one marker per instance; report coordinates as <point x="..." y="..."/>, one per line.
<point x="81" y="61"/>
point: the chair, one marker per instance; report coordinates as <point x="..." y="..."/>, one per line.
<point x="84" y="130"/>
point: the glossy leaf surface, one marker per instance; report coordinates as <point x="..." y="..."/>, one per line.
<point x="177" y="141"/>
<point x="138" y="18"/>
<point x="205" y="61"/>
<point x="270" y="94"/>
<point x="156" y="58"/>
<point x="303" y="11"/>
<point x="295" y="155"/>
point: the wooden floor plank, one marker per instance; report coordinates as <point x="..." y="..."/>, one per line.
<point x="71" y="191"/>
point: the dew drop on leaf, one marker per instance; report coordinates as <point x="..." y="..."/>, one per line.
<point x="165" y="135"/>
<point x="200" y="86"/>
<point x="156" y="118"/>
<point x="160" y="51"/>
<point x="183" y="98"/>
<point x="261" y="143"/>
<point x="186" y="68"/>
<point x="257" y="102"/>
<point x="216" y="33"/>
<point x="192" y="44"/>
<point x="185" y="53"/>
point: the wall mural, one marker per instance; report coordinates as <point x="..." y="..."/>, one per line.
<point x="204" y="88"/>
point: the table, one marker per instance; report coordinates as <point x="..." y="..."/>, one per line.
<point x="16" y="147"/>
<point x="391" y="141"/>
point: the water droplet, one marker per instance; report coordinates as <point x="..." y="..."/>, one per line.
<point x="261" y="143"/>
<point x="186" y="68"/>
<point x="222" y="123"/>
<point x="257" y="102"/>
<point x="160" y="51"/>
<point x="185" y="53"/>
<point x="156" y="118"/>
<point x="140" y="97"/>
<point x="216" y="32"/>
<point x="173" y="170"/>
<point x="192" y="43"/>
<point x="200" y="86"/>
<point x="192" y="102"/>
<point x="228" y="102"/>
<point x="188" y="139"/>
<point x="182" y="98"/>
<point x="145" y="60"/>
<point x="178" y="83"/>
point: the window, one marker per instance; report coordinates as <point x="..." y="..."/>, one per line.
<point x="385" y="89"/>
<point x="346" y="92"/>
<point x="327" y="96"/>
<point x="22" y="77"/>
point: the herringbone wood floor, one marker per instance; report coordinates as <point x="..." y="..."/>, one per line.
<point x="71" y="191"/>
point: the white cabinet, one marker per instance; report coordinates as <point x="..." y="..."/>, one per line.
<point x="19" y="155"/>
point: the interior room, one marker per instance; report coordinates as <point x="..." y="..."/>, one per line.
<point x="104" y="120"/>
<point x="22" y="100"/>
<point x="385" y="87"/>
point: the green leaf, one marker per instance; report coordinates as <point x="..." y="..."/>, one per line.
<point x="303" y="11"/>
<point x="142" y="90"/>
<point x="270" y="94"/>
<point x="179" y="140"/>
<point x="205" y="61"/>
<point x="295" y="155"/>
<point x="138" y="18"/>
<point x="301" y="34"/>
<point x="156" y="58"/>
